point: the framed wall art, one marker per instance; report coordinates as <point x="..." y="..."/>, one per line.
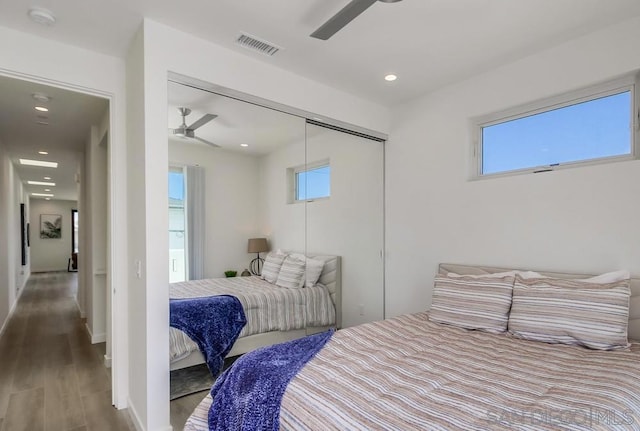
<point x="50" y="226"/>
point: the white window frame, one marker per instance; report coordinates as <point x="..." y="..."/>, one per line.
<point x="292" y="174"/>
<point x="620" y="85"/>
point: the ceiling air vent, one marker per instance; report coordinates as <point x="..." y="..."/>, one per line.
<point x="255" y="44"/>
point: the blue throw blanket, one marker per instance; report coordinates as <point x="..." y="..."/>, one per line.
<point x="213" y="322"/>
<point x="247" y="396"/>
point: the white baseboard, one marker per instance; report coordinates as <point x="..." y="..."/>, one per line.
<point x="10" y="314"/>
<point x="107" y="361"/>
<point x="136" y="419"/>
<point x="133" y="414"/>
<point x="83" y="315"/>
<point x="95" y="338"/>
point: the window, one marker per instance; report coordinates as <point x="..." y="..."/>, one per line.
<point x="177" y="240"/>
<point x="311" y="181"/>
<point x="592" y="125"/>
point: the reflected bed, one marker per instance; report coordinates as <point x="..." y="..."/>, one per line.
<point x="274" y="314"/>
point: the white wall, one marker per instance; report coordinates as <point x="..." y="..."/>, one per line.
<point x="231" y="188"/>
<point x="29" y="57"/>
<point x="94" y="218"/>
<point x="137" y="397"/>
<point x="583" y="219"/>
<point x="50" y="254"/>
<point x="13" y="275"/>
<point x="22" y="272"/>
<point x="4" y="233"/>
<point x="282" y="223"/>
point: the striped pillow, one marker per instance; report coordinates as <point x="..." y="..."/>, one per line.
<point x="271" y="267"/>
<point x="314" y="270"/>
<point x="571" y="312"/>
<point x="291" y="273"/>
<point x="472" y="302"/>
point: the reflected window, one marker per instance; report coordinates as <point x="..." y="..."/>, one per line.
<point x="312" y="181"/>
<point x="177" y="240"/>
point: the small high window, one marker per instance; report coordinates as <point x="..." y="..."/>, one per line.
<point x="593" y="125"/>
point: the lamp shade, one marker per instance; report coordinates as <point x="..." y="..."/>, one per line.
<point x="257" y="245"/>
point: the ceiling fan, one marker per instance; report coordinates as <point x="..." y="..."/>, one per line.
<point x="344" y="17"/>
<point x="188" y="132"/>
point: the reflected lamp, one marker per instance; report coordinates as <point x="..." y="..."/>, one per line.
<point x="257" y="245"/>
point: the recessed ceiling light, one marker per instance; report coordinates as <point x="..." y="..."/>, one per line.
<point x="41" y="97"/>
<point x="390" y="77"/>
<point x="42" y="194"/>
<point x="42" y="123"/>
<point x="48" y="199"/>
<point x="40" y="183"/>
<point x="46" y="178"/>
<point x="244" y="145"/>
<point x="47" y="190"/>
<point x="43" y="152"/>
<point x="41" y="163"/>
<point x="42" y="109"/>
<point x="41" y="16"/>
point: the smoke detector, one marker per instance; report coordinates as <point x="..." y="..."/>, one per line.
<point x="42" y="16"/>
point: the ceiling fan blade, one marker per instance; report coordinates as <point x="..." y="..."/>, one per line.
<point x="204" y="141"/>
<point x="342" y="18"/>
<point x="202" y="121"/>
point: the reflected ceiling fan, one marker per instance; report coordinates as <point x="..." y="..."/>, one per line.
<point x="188" y="132"/>
<point x="344" y="17"/>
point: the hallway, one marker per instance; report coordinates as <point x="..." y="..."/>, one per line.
<point x="51" y="377"/>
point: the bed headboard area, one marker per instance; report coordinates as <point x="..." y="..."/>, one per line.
<point x="634" y="304"/>
<point x="331" y="277"/>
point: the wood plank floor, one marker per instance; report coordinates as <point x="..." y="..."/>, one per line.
<point x="51" y="377"/>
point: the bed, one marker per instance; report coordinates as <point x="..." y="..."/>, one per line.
<point x="274" y="314"/>
<point x="410" y="372"/>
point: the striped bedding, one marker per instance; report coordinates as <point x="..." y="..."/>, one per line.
<point x="408" y="373"/>
<point x="267" y="307"/>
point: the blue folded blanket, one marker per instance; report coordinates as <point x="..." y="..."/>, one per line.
<point x="247" y="396"/>
<point x="213" y="322"/>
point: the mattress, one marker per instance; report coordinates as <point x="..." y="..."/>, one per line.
<point x="267" y="307"/>
<point x="408" y="373"/>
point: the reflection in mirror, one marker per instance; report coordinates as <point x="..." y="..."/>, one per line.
<point x="244" y="174"/>
<point x="344" y="188"/>
<point x="251" y="172"/>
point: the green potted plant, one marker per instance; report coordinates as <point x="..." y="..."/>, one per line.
<point x="231" y="273"/>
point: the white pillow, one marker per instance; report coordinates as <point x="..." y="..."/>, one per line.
<point x="271" y="267"/>
<point x="496" y="274"/>
<point x="609" y="277"/>
<point x="314" y="270"/>
<point x="291" y="273"/>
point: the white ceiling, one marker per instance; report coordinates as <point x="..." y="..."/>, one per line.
<point x="69" y="120"/>
<point x="263" y="129"/>
<point x="427" y="43"/>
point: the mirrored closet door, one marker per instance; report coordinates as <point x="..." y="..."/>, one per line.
<point x="269" y="174"/>
<point x="344" y="207"/>
<point x="242" y="151"/>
